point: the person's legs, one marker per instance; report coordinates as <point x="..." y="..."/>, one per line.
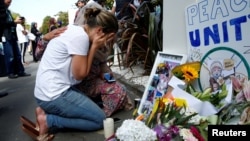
<point x="22" y="51"/>
<point x="73" y="110"/>
<point x="18" y="65"/>
<point x="34" y="44"/>
<point x="9" y="59"/>
<point x="19" y="69"/>
<point x="114" y="97"/>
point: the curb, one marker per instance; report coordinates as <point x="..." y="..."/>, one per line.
<point x="138" y="90"/>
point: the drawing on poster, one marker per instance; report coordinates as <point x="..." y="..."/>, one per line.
<point x="159" y="78"/>
<point x="220" y="72"/>
<point x="222" y="67"/>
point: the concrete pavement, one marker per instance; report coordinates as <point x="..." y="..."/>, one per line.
<point x="20" y="101"/>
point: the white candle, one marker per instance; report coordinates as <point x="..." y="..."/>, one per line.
<point x="108" y="125"/>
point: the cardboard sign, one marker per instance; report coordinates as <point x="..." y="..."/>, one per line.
<point x="219" y="30"/>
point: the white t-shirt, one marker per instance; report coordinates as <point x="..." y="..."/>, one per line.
<point x="21" y="37"/>
<point x="136" y="3"/>
<point x="54" y="74"/>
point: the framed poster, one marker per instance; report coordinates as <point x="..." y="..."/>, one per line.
<point x="159" y="78"/>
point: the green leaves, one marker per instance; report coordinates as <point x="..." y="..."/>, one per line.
<point x="176" y="115"/>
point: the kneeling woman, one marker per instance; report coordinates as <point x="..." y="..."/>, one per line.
<point x="66" y="61"/>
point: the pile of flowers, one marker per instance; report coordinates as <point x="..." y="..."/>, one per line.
<point x="172" y="119"/>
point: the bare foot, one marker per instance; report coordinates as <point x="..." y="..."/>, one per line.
<point x="39" y="111"/>
<point x="41" y="120"/>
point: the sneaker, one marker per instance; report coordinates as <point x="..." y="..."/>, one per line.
<point x="12" y="76"/>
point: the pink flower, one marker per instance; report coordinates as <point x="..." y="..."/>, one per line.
<point x="246" y="90"/>
<point x="237" y="83"/>
<point x="190" y="138"/>
<point x="240" y="97"/>
<point x="196" y="133"/>
<point x="187" y="135"/>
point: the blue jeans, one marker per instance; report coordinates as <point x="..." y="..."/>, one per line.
<point x="73" y="110"/>
<point x="12" y="57"/>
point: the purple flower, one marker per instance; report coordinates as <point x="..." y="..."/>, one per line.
<point x="166" y="134"/>
<point x="161" y="132"/>
<point x="174" y="130"/>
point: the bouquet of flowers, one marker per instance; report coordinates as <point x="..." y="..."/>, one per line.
<point x="172" y="119"/>
<point x="176" y="116"/>
<point x="233" y="105"/>
<point x="189" y="72"/>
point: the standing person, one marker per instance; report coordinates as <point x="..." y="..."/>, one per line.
<point x="122" y="9"/>
<point x="14" y="66"/>
<point x="22" y="36"/>
<point x="34" y="31"/>
<point x="2" y="64"/>
<point x="79" y="4"/>
<point x="59" y="24"/>
<point x="52" y="24"/>
<point x="66" y="61"/>
<point x="80" y="18"/>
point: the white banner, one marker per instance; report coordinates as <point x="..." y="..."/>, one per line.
<point x="219" y="30"/>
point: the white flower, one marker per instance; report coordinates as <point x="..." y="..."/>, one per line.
<point x="187" y="135"/>
<point x="135" y="130"/>
<point x="195" y="119"/>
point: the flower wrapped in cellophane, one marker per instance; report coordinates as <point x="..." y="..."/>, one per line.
<point x="218" y="98"/>
<point x="172" y="119"/>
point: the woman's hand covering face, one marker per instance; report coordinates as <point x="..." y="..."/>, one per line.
<point x="101" y="39"/>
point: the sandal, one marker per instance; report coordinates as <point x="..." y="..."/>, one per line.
<point x="27" y="122"/>
<point x="45" y="137"/>
<point x="30" y="131"/>
<point x="34" y="134"/>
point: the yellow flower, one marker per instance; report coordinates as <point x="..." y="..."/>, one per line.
<point x="189" y="73"/>
<point x="179" y="102"/>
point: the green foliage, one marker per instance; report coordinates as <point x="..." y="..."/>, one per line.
<point x="140" y="37"/>
<point x="109" y="4"/>
<point x="174" y="114"/>
<point x="62" y="16"/>
<point x="15" y="15"/>
<point x="45" y="25"/>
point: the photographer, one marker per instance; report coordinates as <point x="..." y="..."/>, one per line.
<point x="12" y="55"/>
<point x="22" y="36"/>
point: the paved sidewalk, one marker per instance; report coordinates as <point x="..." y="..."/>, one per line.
<point x="20" y="101"/>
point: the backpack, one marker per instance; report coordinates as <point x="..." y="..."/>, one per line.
<point x="40" y="48"/>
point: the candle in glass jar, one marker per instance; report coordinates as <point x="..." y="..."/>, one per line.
<point x="108" y="125"/>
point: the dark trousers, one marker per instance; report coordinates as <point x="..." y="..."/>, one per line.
<point x="34" y="45"/>
<point x="12" y="57"/>
<point x="2" y="66"/>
